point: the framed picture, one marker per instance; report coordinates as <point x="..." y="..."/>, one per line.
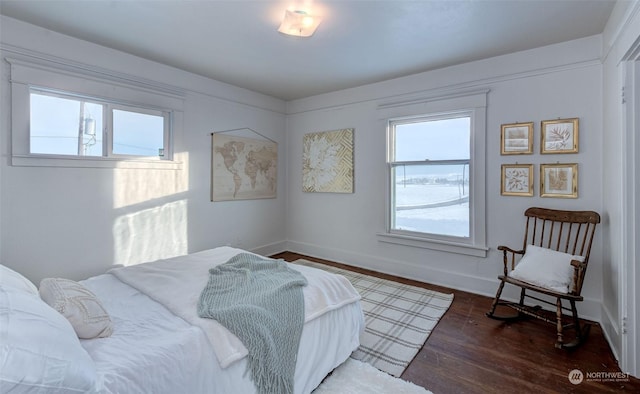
<point x="327" y="162"/>
<point x="517" y="180"/>
<point x="243" y="168"/>
<point x="559" y="180"/>
<point x="516" y="139"/>
<point x="559" y="136"/>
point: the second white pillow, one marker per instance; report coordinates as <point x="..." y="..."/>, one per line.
<point x="79" y="305"/>
<point x="546" y="268"/>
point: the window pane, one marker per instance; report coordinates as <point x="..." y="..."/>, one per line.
<point x="65" y="126"/>
<point x="137" y="134"/>
<point x="431" y="199"/>
<point x="443" y="139"/>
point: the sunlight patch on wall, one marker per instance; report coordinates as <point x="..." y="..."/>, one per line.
<point x="151" y="234"/>
<point x="133" y="186"/>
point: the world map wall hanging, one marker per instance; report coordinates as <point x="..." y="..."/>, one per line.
<point x="242" y="168"/>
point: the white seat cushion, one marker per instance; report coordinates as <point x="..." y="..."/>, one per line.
<point x="546" y="268"/>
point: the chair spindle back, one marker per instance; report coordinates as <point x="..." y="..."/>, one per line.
<point x="563" y="231"/>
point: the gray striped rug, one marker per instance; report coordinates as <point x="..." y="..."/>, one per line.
<point x="398" y="318"/>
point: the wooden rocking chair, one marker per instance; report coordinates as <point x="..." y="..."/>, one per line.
<point x="550" y="231"/>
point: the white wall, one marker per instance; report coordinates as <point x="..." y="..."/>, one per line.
<point x="559" y="81"/>
<point x="76" y="222"/>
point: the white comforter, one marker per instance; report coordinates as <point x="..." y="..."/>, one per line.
<point x="176" y="283"/>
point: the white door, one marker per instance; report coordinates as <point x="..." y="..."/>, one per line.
<point x="630" y="273"/>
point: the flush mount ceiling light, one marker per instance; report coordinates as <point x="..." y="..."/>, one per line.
<point x="299" y="23"/>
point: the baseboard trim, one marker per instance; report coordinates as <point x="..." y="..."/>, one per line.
<point x="611" y="330"/>
<point x="270" y="249"/>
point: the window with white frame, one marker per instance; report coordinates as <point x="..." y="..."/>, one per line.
<point x="429" y="175"/>
<point x="64" y="124"/>
<point x="72" y="115"/>
<point x="436" y="173"/>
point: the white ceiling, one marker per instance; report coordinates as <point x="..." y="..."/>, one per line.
<point x="358" y="42"/>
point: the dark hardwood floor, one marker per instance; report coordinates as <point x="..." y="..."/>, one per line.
<point x="469" y="353"/>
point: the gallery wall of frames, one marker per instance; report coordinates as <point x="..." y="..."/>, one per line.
<point x="559" y="179"/>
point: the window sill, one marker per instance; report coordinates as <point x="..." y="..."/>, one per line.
<point x="441" y="245"/>
<point x="93" y="162"/>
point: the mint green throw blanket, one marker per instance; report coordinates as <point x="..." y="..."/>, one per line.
<point x="261" y="302"/>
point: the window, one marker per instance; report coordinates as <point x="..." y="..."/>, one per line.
<point x="138" y="133"/>
<point x="429" y="169"/>
<point x="67" y="114"/>
<point x="436" y="172"/>
<point x="64" y="124"/>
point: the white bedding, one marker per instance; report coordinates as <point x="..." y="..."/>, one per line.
<point x="177" y="283"/>
<point x="154" y="351"/>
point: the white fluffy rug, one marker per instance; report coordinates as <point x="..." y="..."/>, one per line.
<point x="356" y="377"/>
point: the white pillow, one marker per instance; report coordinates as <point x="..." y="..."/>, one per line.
<point x="546" y="268"/>
<point x="39" y="351"/>
<point x="11" y="279"/>
<point x="79" y="305"/>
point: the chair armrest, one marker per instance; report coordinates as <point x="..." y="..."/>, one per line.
<point x="505" y="258"/>
<point x="578" y="271"/>
<point x="578" y="264"/>
<point x="508" y="249"/>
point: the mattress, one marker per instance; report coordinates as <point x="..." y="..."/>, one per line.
<point x="152" y="350"/>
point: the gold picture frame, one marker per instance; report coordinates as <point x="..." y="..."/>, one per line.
<point x="327" y="161"/>
<point x="559" y="136"/>
<point x="516" y="139"/>
<point x="516" y="180"/>
<point x="559" y="180"/>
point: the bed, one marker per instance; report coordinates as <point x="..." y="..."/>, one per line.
<point x="147" y="347"/>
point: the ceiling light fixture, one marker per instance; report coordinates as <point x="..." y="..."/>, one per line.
<point x="299" y="23"/>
